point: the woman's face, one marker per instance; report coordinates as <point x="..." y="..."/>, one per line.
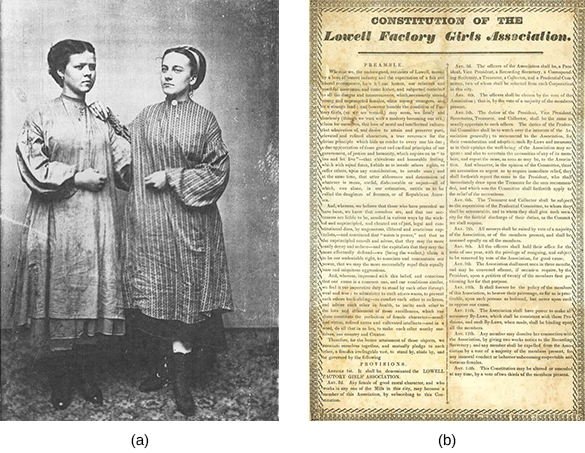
<point x="79" y="75"/>
<point x="175" y="76"/>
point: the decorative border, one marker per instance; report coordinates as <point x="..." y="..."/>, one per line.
<point x="319" y="6"/>
<point x="315" y="313"/>
<point x="318" y="412"/>
<point x="577" y="245"/>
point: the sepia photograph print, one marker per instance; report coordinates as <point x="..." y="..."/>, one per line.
<point x="139" y="220"/>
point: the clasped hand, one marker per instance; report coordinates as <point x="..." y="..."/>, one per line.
<point x="157" y="180"/>
<point x="90" y="179"/>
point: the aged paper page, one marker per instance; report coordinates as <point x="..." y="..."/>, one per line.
<point x="447" y="210"/>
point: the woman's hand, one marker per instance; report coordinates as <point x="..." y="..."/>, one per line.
<point x="100" y="110"/>
<point x="89" y="179"/>
<point x="158" y="180"/>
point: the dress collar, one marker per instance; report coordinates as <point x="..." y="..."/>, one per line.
<point x="69" y="98"/>
<point x="175" y="103"/>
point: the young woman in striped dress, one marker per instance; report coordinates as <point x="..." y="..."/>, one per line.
<point x="175" y="267"/>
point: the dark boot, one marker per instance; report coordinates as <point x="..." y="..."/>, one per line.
<point x="183" y="397"/>
<point x="160" y="376"/>
<point x="60" y="379"/>
<point x="86" y="380"/>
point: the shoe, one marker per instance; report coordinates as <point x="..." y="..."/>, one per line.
<point x="61" y="385"/>
<point x="61" y="397"/>
<point x="183" y="397"/>
<point x="92" y="393"/>
<point x="160" y="378"/>
<point x="86" y="382"/>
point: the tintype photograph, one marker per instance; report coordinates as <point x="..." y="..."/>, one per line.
<point x="139" y="221"/>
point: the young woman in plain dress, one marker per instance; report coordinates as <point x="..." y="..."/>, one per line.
<point x="68" y="285"/>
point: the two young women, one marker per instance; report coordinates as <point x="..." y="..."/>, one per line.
<point x="71" y="282"/>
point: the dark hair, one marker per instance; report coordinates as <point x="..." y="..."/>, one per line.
<point x="198" y="68"/>
<point x="59" y="55"/>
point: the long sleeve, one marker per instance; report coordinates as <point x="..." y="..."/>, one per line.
<point x="119" y="128"/>
<point x="204" y="183"/>
<point x="39" y="173"/>
<point x="121" y="158"/>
